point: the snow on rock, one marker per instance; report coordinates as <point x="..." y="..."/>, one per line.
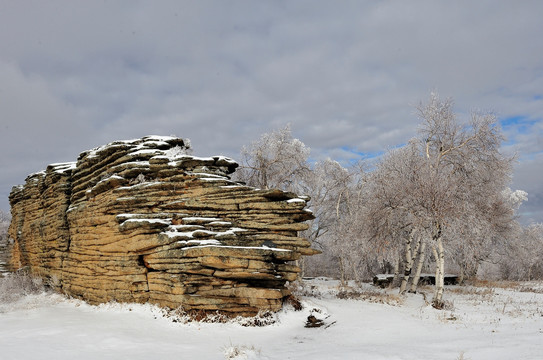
<point x="141" y="220"/>
<point x="297" y="200"/>
<point x="200" y="242"/>
<point x="220" y="223"/>
<point x="147" y="221"/>
<point x="61" y="168"/>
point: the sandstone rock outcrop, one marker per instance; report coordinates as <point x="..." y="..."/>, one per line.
<point x="142" y="221"/>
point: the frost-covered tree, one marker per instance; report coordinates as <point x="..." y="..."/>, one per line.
<point x="451" y="175"/>
<point x="327" y="183"/>
<point x="522" y="256"/>
<point x="466" y="174"/>
<point x="443" y="194"/>
<point x="396" y="222"/>
<point x="474" y="240"/>
<point x="4" y="225"/>
<point x="276" y="160"/>
<point x="514" y="198"/>
<point x="519" y="256"/>
<point x="5" y="219"/>
<point x="346" y="240"/>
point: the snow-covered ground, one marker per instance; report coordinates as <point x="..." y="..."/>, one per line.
<point x="482" y="323"/>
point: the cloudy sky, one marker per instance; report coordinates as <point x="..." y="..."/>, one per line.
<point x="345" y="74"/>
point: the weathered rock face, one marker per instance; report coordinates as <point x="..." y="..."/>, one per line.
<point x="141" y="221"/>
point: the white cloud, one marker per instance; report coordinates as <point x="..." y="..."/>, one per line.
<point x="344" y="74"/>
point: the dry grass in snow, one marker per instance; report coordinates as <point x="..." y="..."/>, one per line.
<point x="481" y="322"/>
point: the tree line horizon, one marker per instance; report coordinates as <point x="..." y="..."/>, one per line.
<point x="442" y="198"/>
<point x="440" y="202"/>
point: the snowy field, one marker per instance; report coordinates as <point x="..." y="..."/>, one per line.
<point x="481" y="323"/>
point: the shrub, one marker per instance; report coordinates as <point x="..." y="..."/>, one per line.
<point x="16" y="285"/>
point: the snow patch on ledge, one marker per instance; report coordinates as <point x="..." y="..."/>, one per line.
<point x="221" y="223"/>
<point x="109" y="178"/>
<point x="240" y="247"/>
<point x="232" y="186"/>
<point x="165" y="222"/>
<point x="208" y="179"/>
<point x="126" y="216"/>
<point x="61" y="168"/>
<point x="200" y="242"/>
<point x="296" y="200"/>
<point x="177" y="234"/>
<point x="141" y="185"/>
<point x="209" y="175"/>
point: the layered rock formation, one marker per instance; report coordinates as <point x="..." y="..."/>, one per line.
<point x="142" y="221"/>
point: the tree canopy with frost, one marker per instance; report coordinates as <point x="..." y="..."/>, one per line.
<point x="445" y="193"/>
<point x="450" y="178"/>
<point x="5" y="219"/>
<point x="276" y="160"/>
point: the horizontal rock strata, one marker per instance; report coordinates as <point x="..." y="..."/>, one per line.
<point x="142" y="221"/>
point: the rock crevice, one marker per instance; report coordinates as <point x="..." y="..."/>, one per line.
<point x="143" y="221"/>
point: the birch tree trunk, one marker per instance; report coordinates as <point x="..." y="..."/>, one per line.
<point x="397" y="270"/>
<point x="420" y="261"/>
<point x="439" y="252"/>
<point x="408" y="261"/>
<point x="342" y="272"/>
<point x="356" y="275"/>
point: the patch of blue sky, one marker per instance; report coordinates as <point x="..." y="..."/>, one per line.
<point x="366" y="155"/>
<point x="520" y="124"/>
<point x="370" y="158"/>
<point x="348" y="156"/>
